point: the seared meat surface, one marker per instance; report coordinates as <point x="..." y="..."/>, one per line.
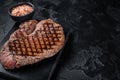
<point x="31" y="43"/>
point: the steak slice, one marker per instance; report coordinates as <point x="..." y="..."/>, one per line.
<point x="31" y="43"/>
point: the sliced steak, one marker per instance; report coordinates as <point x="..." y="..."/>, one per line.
<point x="31" y="43"/>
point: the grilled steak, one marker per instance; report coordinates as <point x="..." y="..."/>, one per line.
<point x="31" y="43"/>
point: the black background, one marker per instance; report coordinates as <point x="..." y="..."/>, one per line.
<point x="94" y="49"/>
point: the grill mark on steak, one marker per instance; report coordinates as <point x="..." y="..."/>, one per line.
<point x="41" y="50"/>
<point x="48" y="36"/>
<point x="29" y="48"/>
<point x="25" y="46"/>
<point x="19" y="46"/>
<point x="15" y="48"/>
<point x="44" y="42"/>
<point x="33" y="47"/>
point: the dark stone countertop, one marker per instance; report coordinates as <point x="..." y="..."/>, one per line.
<point x="94" y="52"/>
<point x="6" y="23"/>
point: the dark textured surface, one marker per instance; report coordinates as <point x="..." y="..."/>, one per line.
<point x="6" y="22"/>
<point x="94" y="52"/>
<point x="37" y="71"/>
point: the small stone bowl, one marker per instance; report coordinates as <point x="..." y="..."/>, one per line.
<point x="23" y="17"/>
